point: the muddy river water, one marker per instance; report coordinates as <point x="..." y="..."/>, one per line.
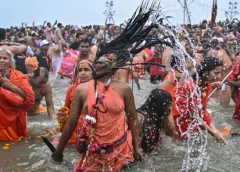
<point x="32" y="155"/>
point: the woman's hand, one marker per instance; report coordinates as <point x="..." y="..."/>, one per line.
<point x="220" y="137"/>
<point x="57" y="156"/>
<point x="6" y="83"/>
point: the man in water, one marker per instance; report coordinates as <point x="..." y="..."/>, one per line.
<point x="41" y="88"/>
<point x="85" y="50"/>
<point x="221" y="54"/>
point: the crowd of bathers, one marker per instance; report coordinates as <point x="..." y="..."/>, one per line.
<point x="99" y="113"/>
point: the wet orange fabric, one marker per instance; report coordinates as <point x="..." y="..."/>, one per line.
<point x="172" y="81"/>
<point x="41" y="109"/>
<point x="13" y="123"/>
<point x="110" y="128"/>
<point x="70" y="94"/>
<point x="68" y="102"/>
<point x="184" y="103"/>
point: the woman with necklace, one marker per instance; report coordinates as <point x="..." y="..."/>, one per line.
<point x="106" y="131"/>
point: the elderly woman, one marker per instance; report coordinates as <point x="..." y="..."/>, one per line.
<point x="83" y="74"/>
<point x="16" y="98"/>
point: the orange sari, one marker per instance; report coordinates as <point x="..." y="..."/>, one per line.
<point x="109" y="129"/>
<point x="68" y="102"/>
<point x="13" y="123"/>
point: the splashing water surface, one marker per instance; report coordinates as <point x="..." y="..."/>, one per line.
<point x="33" y="155"/>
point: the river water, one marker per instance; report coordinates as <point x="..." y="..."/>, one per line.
<point x="31" y="155"/>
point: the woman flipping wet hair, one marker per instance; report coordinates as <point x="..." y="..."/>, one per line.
<point x="190" y="98"/>
<point x="155" y="116"/>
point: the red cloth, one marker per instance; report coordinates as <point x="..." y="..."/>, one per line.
<point x="154" y="69"/>
<point x="235" y="73"/>
<point x="171" y="79"/>
<point x="139" y="68"/>
<point x="234" y="77"/>
<point x="149" y="52"/>
<point x="13" y="123"/>
<point x="236" y="115"/>
<point x="184" y="102"/>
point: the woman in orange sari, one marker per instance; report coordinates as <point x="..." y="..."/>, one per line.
<point x="16" y="98"/>
<point x="105" y="130"/>
<point x="83" y="74"/>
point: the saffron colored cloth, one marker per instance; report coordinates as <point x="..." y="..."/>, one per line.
<point x="110" y="128"/>
<point x="172" y="81"/>
<point x="234" y="77"/>
<point x="40" y="110"/>
<point x="68" y="102"/>
<point x="13" y="123"/>
<point x="184" y="102"/>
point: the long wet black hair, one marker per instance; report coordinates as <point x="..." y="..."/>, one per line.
<point x="126" y="46"/>
<point x="154" y="110"/>
<point x="209" y="64"/>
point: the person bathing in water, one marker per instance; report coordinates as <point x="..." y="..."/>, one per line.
<point x="83" y="74"/>
<point x="41" y="88"/>
<point x="185" y="112"/>
<point x="155" y="116"/>
<point x="111" y="133"/>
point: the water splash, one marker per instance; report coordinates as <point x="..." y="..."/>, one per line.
<point x="196" y="157"/>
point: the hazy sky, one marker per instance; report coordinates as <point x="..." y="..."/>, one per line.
<point x="87" y="12"/>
